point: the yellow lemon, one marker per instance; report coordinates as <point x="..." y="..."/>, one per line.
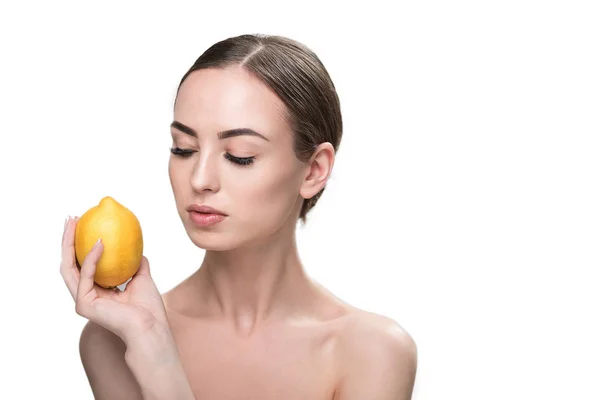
<point x="121" y="236"/>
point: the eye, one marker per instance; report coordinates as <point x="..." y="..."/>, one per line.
<point x="242" y="161"/>
<point x="181" y="152"/>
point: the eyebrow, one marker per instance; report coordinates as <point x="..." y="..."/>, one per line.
<point x="221" y="135"/>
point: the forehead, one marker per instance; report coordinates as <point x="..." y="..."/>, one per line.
<point x="219" y="99"/>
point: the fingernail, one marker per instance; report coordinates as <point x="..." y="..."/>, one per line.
<point x="97" y="244"/>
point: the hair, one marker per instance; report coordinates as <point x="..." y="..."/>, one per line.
<point x="298" y="77"/>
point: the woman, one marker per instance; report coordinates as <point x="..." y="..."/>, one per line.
<point x="256" y="126"/>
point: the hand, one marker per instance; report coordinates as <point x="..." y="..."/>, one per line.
<point x="136" y="310"/>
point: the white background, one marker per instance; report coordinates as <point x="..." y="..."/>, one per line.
<point x="464" y="202"/>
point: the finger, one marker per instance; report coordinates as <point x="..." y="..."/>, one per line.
<point x="68" y="267"/>
<point x="88" y="269"/>
<point x="68" y="242"/>
<point x="65" y="228"/>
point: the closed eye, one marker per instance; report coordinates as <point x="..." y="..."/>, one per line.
<point x="243" y="161"/>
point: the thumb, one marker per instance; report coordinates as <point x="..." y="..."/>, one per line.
<point x="88" y="270"/>
<point x="144" y="267"/>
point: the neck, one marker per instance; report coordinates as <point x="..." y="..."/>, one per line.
<point x="249" y="285"/>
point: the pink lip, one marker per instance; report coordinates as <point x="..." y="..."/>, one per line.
<point x="205" y="209"/>
<point x="204" y="220"/>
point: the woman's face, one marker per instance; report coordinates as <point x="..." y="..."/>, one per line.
<point x="255" y="181"/>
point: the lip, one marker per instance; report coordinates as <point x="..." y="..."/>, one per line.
<point x="204" y="220"/>
<point x="205" y="209"/>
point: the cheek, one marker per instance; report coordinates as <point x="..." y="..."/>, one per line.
<point x="179" y="179"/>
<point x="174" y="176"/>
<point x="268" y="194"/>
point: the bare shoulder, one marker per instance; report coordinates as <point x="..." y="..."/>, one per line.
<point x="378" y="358"/>
<point x="103" y="358"/>
<point x="366" y="327"/>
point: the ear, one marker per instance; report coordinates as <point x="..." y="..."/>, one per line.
<point x="318" y="170"/>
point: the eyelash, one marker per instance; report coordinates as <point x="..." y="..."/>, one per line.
<point x="236" y="160"/>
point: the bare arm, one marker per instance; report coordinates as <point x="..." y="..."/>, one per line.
<point x="127" y="348"/>
<point x="146" y="368"/>
<point x="153" y="358"/>
<point x="103" y="358"/>
<point x="379" y="363"/>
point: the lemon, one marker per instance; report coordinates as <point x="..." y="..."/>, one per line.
<point x="121" y="236"/>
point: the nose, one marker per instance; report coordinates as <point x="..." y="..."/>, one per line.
<point x="206" y="174"/>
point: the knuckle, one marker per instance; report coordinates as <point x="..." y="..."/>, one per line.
<point x="79" y="308"/>
<point x="64" y="276"/>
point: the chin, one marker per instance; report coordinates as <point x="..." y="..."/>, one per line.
<point x="213" y="241"/>
<point x="206" y="242"/>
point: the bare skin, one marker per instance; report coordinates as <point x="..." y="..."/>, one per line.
<point x="287" y="357"/>
<point x="291" y="358"/>
<point x="343" y="353"/>
<point x="250" y="323"/>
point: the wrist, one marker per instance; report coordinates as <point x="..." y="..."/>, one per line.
<point x="156" y="346"/>
<point x="154" y="361"/>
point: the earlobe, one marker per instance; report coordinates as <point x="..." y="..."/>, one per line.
<point x="319" y="170"/>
